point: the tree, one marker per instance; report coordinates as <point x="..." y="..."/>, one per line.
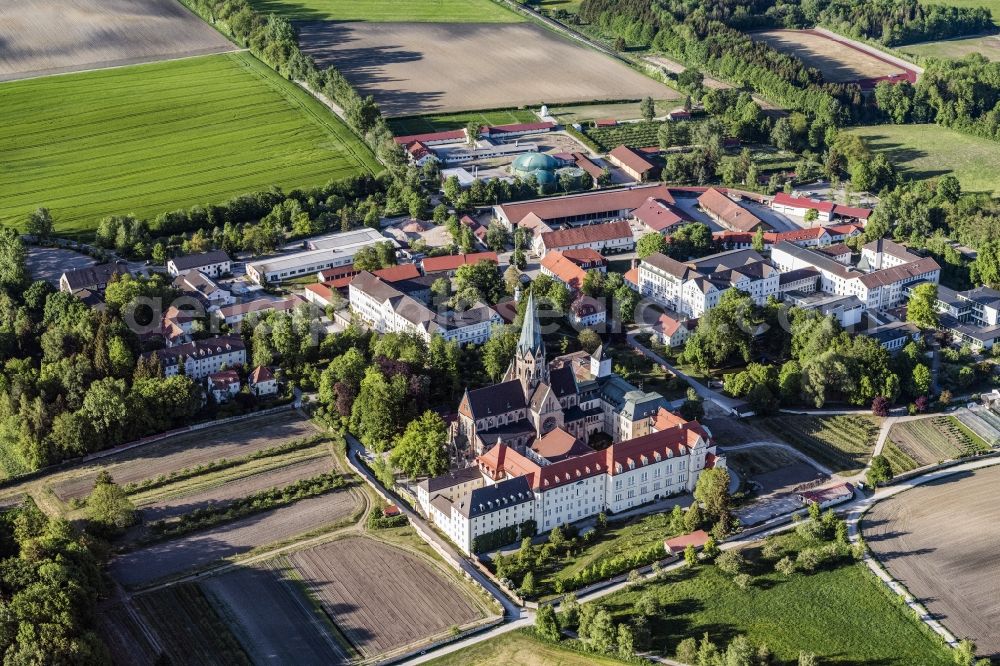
<point x="879" y="471"/>
<point x="13" y="258"/>
<point x="498" y="350"/>
<point x="497" y="237"/>
<point x="40" y="224"/>
<point x="626" y="642"/>
<point x="690" y="555"/>
<point x="921" y="308"/>
<point x="757" y="242"/>
<point x="649" y="244"/>
<point x="483" y="278"/>
<point x="693" y="517"/>
<point x="109" y="507"/>
<point x="528" y="583"/>
<point x="545" y="623"/>
<point x="589" y="340"/>
<point x="693" y="407"/>
<point x="441" y="290"/>
<point x="422" y="450"/>
<point x="647" y="109"/>
<point x="920" y="380"/>
<point x="601" y="633"/>
<point x="880" y="406"/>
<point x="376" y="410"/>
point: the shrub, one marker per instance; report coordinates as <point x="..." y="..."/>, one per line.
<point x="731" y="562"/>
<point x="785" y="566"/>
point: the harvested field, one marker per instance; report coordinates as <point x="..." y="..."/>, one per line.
<point x="935" y="439"/>
<point x="188" y="629"/>
<point x="420" y="68"/>
<point x="42" y="37"/>
<point x="221" y="495"/>
<point x="272" y="618"/>
<point x="939" y="540"/>
<point x="153" y="138"/>
<point x="459" y="11"/>
<point x="381" y="597"/>
<point x="127" y="639"/>
<point x="837" y="61"/>
<point x="200" y="549"/>
<point x="231" y="440"/>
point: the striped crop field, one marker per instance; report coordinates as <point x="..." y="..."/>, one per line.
<point x="159" y="137"/>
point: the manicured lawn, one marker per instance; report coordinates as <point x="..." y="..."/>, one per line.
<point x="520" y="647"/>
<point x="929" y="151"/>
<point x="154" y="138"/>
<point x="842" y="443"/>
<point x="640" y="370"/>
<point x="442" y="123"/>
<point x="443" y="11"/>
<point x="618" y="110"/>
<point x="842" y="614"/>
<point x="988" y="46"/>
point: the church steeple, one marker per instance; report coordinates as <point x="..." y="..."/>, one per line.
<point x="529" y="364"/>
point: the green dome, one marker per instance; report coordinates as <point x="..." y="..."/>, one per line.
<point x="534" y="161"/>
<point x="544" y="177"/>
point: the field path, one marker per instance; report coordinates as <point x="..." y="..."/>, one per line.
<point x="200" y="549"/>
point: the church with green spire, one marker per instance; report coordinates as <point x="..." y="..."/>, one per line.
<point x="576" y="393"/>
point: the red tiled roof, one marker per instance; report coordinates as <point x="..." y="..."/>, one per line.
<point x="325" y="289"/>
<point x="586" y="256"/>
<point x="418" y="150"/>
<point x="698" y="538"/>
<point x="632" y="276"/>
<point x="728" y="211"/>
<point x="605" y="122"/>
<point x="587" y="203"/>
<point x="452" y="135"/>
<point x="849" y="211"/>
<point x="588" y="165"/>
<point x="802" y="202"/>
<point x="667" y="324"/>
<point x="397" y="273"/>
<point x="589" y="234"/>
<point x="558" y="445"/>
<point x="261" y="373"/>
<point x="338" y="272"/>
<point x="843" y="229"/>
<point x="631" y="159"/>
<point x="564" y="269"/>
<point x="827" y="494"/>
<point x="799" y="234"/>
<point x="224" y="378"/>
<point x="453" y="261"/>
<point x="657" y="215"/>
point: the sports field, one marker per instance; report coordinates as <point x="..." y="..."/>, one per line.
<point x="837" y="61"/>
<point x="444" y="11"/>
<point x="987" y="45"/>
<point x="159" y="137"/>
<point x="929" y="151"/>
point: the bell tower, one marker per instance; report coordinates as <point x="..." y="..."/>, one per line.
<point x="529" y="365"/>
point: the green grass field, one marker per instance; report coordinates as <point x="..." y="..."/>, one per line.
<point x="929" y="151"/>
<point x="450" y="121"/>
<point x="159" y="137"/>
<point x="988" y="46"/>
<point x="618" y="110"/>
<point x="842" y="614"/>
<point x="443" y="11"/>
<point x="522" y="648"/>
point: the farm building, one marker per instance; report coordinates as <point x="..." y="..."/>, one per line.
<point x="322" y="252"/>
<point x="213" y="264"/>
<point x="433" y="138"/>
<point x="508" y="132"/>
<point x="828" y="496"/>
<point x="631" y="162"/>
<point x="576" y="209"/>
<point x="678" y="544"/>
<point x="452" y="262"/>
<point x="588" y="165"/>
<point x="729" y="213"/>
<point x="92" y="278"/>
<point x="607" y="237"/>
<point x="827" y="211"/>
<point x="658" y="216"/>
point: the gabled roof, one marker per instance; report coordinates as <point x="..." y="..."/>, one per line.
<point x="451" y="479"/>
<point x="451" y="135"/>
<point x="582" y="256"/>
<point x="189" y="261"/>
<point x="454" y="261"/>
<point x="631" y="159"/>
<point x="669" y="265"/>
<point x="519" y="127"/>
<point x="396" y="273"/>
<point x="587" y="203"/>
<point x="490" y="498"/>
<point x="564" y="270"/>
<point x="657" y="215"/>
<point x="261" y="373"/>
<point x="559" y="445"/>
<point x="93" y="275"/>
<point x="496" y="399"/>
<point x="803" y="203"/>
<point x="593" y="233"/>
<point x="728" y="211"/>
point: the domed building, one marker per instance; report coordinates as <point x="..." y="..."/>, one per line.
<point x="529" y="164"/>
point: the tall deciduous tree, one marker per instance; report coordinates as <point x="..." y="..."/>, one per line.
<point x="421" y="451"/>
<point x="920" y="308"/>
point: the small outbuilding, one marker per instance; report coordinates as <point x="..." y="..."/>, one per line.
<point x="677" y="544"/>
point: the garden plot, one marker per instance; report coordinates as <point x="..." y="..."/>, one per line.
<point x="939" y="540"/>
<point x="422" y="68"/>
<point x="382" y="598"/>
<point x="935" y="439"/>
<point x="202" y="549"/>
<point x="841" y="443"/>
<point x="272" y="618"/>
<point x="42" y="37"/>
<point x="188" y="450"/>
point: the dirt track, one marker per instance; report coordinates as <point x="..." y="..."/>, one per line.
<point x="381" y="597"/>
<point x="272" y="619"/>
<point x="43" y="37"/>
<point x="419" y="68"/>
<point x="940" y="540"/>
<point x="189" y="450"/>
<point x="199" y="549"/>
<point x="837" y="61"/>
